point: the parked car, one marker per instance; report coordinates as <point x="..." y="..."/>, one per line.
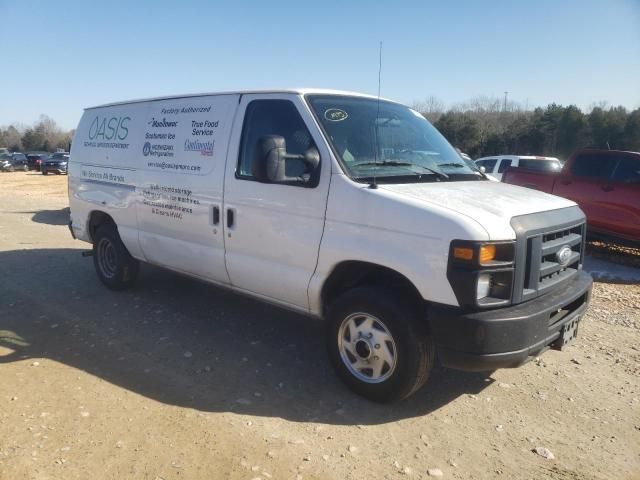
<point x="496" y="165"/>
<point x="472" y="165"/>
<point x="56" y="163"/>
<point x="606" y="185"/>
<point x="361" y="210"/>
<point x="10" y="162"/>
<point x="35" y="160"/>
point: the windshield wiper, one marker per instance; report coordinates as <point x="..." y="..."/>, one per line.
<point x="453" y="164"/>
<point x="482" y="174"/>
<point x="395" y="163"/>
<point x="460" y="165"/>
<point x="390" y="163"/>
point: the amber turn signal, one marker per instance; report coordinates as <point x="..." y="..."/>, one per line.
<point x="487" y="253"/>
<point x="463" y="253"/>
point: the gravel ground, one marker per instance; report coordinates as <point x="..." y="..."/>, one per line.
<point x="616" y="304"/>
<point x="180" y="380"/>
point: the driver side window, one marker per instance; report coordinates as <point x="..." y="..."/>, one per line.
<point x="273" y="117"/>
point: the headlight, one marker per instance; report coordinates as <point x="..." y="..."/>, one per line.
<point x="481" y="273"/>
<point x="483" y="285"/>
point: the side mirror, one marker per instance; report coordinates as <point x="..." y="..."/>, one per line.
<point x="269" y="164"/>
<point x="483" y="170"/>
<point x="311" y="159"/>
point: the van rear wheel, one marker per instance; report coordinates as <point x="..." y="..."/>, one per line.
<point x="378" y="344"/>
<point x="115" y="266"/>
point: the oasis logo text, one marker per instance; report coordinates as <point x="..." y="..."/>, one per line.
<point x="114" y="128"/>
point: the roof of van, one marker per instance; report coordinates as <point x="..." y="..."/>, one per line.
<point x="298" y="91"/>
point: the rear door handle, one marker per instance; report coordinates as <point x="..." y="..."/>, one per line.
<point x="565" y="182"/>
<point x="216" y="215"/>
<point x="230" y="217"/>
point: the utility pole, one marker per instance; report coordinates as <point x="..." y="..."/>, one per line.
<point x="506" y="94"/>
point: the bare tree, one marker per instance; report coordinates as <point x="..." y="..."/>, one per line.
<point x="601" y="104"/>
<point x="11" y="138"/>
<point x="431" y="107"/>
<point x="45" y="135"/>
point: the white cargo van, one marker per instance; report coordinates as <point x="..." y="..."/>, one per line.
<point x="340" y="206"/>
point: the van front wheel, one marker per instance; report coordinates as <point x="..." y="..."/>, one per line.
<point x="378" y="344"/>
<point x="115" y="266"/>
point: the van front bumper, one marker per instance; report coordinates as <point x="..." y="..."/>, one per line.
<point x="507" y="337"/>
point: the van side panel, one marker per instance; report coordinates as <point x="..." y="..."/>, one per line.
<point x="272" y="244"/>
<point x="102" y="170"/>
<point x="418" y="250"/>
<point x="157" y="168"/>
<point x="181" y="178"/>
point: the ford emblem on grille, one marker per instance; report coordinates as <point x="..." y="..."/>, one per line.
<point x="564" y="255"/>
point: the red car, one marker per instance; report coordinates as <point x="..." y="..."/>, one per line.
<point x="35" y="160"/>
<point x="606" y="185"/>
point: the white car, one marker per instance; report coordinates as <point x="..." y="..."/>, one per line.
<point x="497" y="164"/>
<point x="337" y="205"/>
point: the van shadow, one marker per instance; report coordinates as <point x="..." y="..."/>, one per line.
<point x="51" y="217"/>
<point x="186" y="343"/>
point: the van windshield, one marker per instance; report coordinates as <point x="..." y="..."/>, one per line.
<point x="387" y="141"/>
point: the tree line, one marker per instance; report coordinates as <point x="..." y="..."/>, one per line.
<point x="480" y="127"/>
<point x="44" y="136"/>
<point x="489" y="126"/>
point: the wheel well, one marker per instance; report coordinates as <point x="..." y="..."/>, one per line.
<point x="98" y="219"/>
<point x="351" y="274"/>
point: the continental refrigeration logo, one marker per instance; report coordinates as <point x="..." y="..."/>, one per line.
<point x="162" y="123"/>
<point x="108" y="132"/>
<point x="204" y="147"/>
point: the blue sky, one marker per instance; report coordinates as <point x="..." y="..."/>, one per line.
<point x="62" y="56"/>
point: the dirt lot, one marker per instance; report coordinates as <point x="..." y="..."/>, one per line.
<point x="181" y="380"/>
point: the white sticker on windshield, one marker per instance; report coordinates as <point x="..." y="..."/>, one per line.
<point x="335" y="115"/>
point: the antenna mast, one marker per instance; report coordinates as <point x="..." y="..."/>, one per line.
<point x="374" y="184"/>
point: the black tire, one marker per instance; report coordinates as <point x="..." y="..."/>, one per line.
<point x="115" y="266"/>
<point x="44" y="172"/>
<point x="414" y="349"/>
